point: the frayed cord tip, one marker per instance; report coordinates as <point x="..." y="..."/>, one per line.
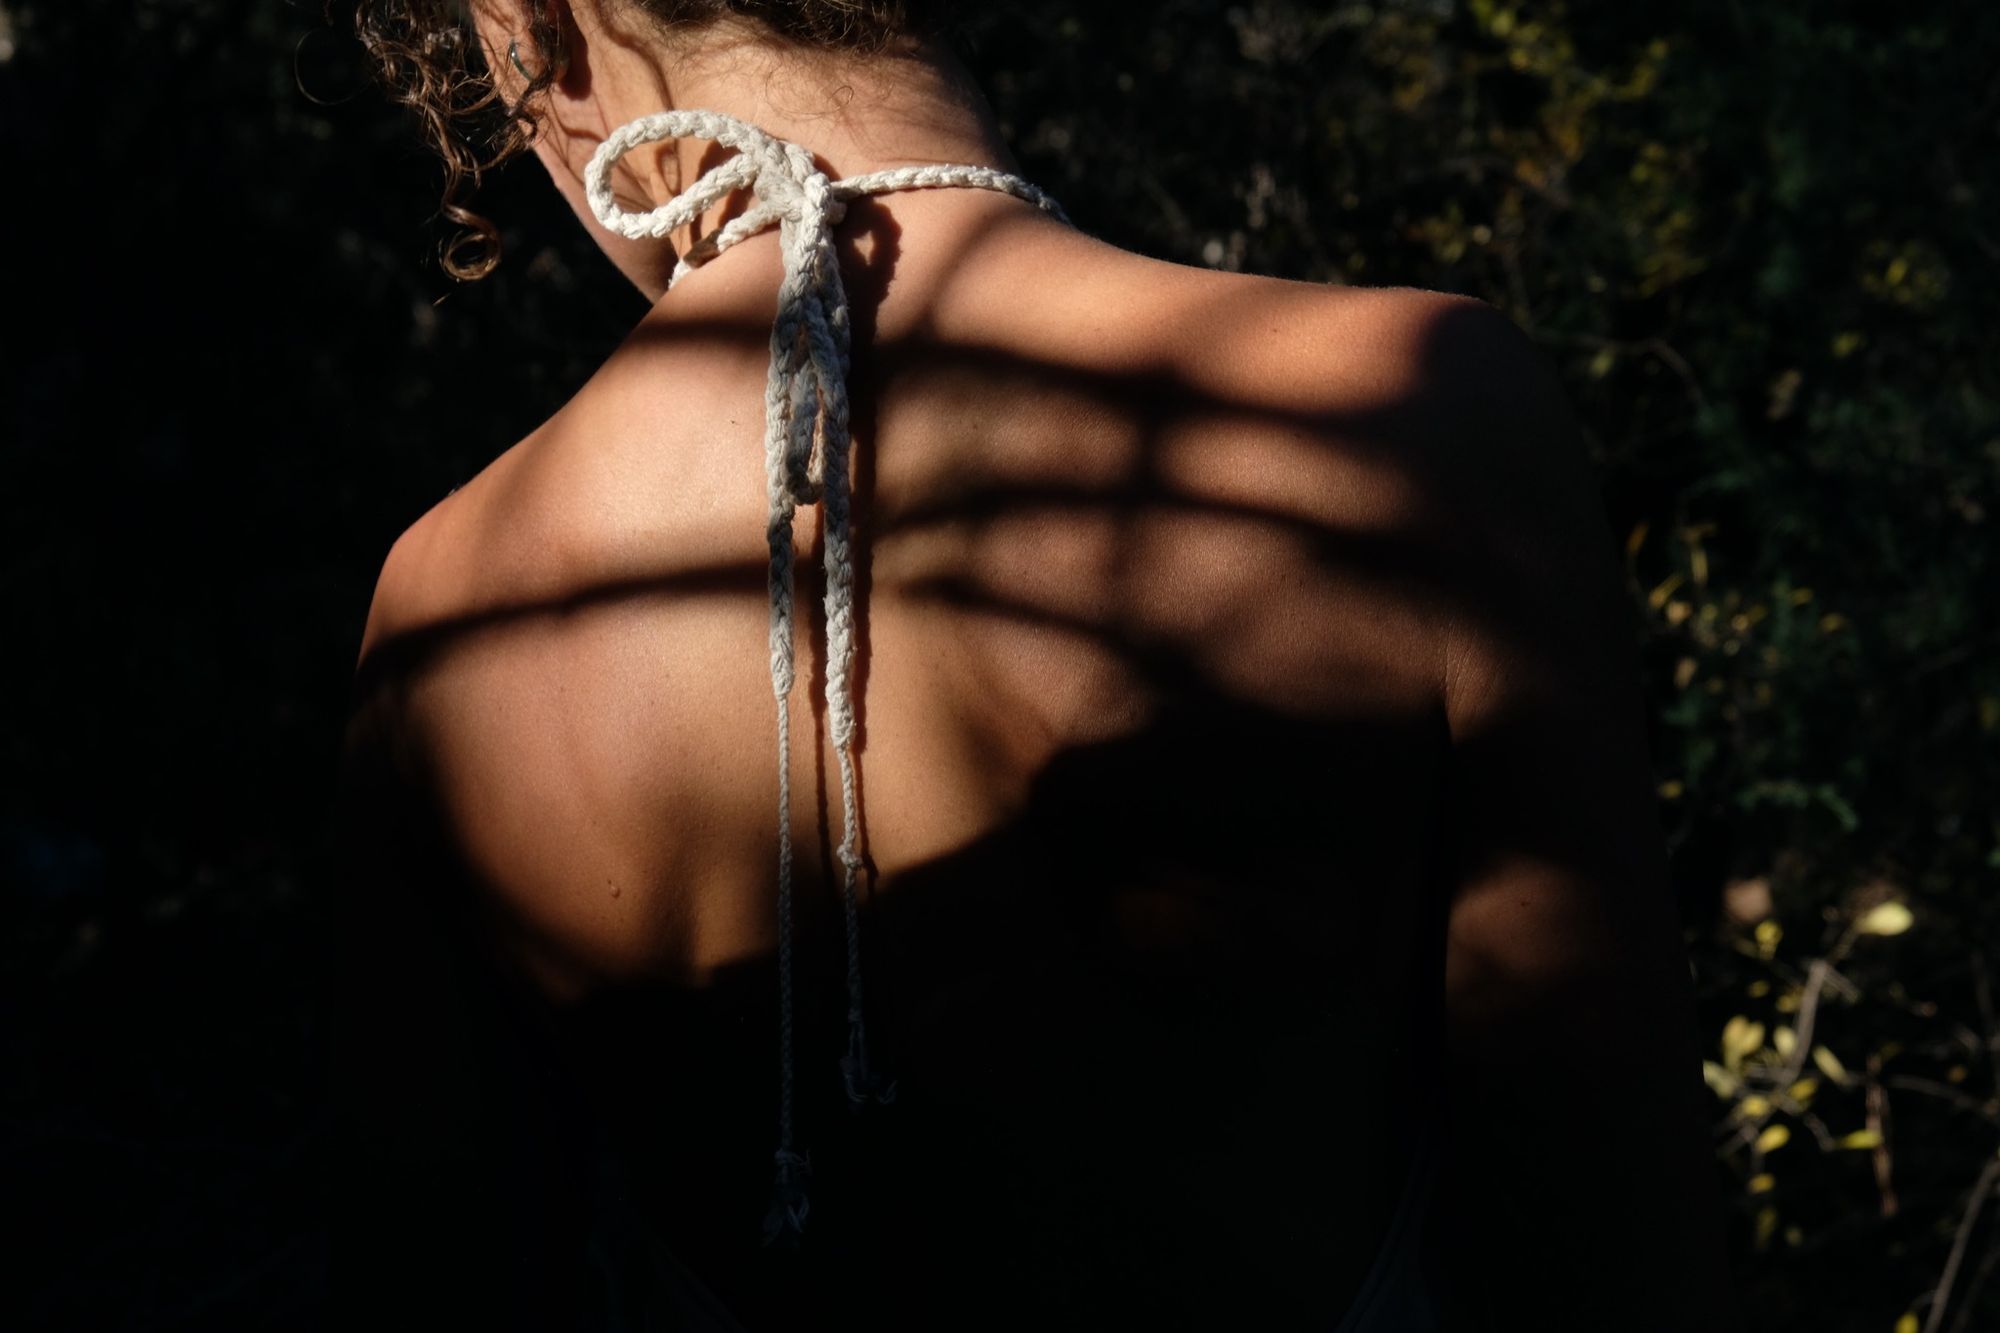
<point x="786" y="1220"/>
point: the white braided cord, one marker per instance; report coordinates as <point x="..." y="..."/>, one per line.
<point x="806" y="456"/>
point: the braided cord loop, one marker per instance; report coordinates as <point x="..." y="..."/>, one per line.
<point x="806" y="457"/>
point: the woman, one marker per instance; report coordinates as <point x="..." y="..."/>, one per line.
<point x="1229" y="742"/>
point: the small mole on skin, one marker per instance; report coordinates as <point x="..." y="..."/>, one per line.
<point x="615" y="890"/>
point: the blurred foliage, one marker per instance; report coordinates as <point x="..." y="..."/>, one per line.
<point x="1757" y="240"/>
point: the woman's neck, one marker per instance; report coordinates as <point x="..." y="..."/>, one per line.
<point x="855" y="113"/>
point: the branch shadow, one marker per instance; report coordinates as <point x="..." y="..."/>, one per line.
<point x="1147" y="1029"/>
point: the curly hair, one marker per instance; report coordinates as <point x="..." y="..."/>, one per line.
<point x="427" y="55"/>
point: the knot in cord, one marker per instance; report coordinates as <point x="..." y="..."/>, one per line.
<point x="806" y="448"/>
<point x="786" y="1218"/>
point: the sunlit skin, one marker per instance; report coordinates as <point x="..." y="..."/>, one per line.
<point x="1251" y="738"/>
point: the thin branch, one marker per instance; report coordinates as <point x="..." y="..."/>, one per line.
<point x="1942" y="1295"/>
<point x="1819" y="1131"/>
<point x="1969" y="1305"/>
<point x="1986" y="1110"/>
<point x="1877" y="1102"/>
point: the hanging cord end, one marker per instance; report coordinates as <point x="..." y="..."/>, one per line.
<point x="786" y="1221"/>
<point x="864" y="1084"/>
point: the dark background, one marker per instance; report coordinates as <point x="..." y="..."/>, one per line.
<point x="1758" y="240"/>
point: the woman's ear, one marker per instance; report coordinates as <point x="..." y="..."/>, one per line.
<point x="571" y="72"/>
<point x="527" y="42"/>
<point x="563" y="60"/>
<point x="586" y="71"/>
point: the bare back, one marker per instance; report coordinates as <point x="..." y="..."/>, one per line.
<point x="1152" y="755"/>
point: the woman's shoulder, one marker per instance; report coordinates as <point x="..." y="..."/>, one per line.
<point x="1401" y="366"/>
<point x="428" y="577"/>
<point x="1219" y="320"/>
<point x="1396" y="362"/>
<point x="1391" y="405"/>
<point x="407" y="571"/>
<point x="1441" y="396"/>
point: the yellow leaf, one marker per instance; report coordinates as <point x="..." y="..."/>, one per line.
<point x="1803" y="1090"/>
<point x="1907" y="1324"/>
<point x="1861" y="1138"/>
<point x="1768" y="935"/>
<point x="1773" y="1138"/>
<point x="1829" y="1064"/>
<point x="1720" y="1081"/>
<point x="1762" y="1182"/>
<point x="1753" y="1106"/>
<point x="1740" y="1036"/>
<point x="1890" y="918"/>
<point x="1784" y="1041"/>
